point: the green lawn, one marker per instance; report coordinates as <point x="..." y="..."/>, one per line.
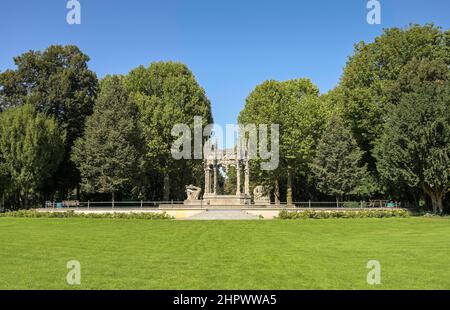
<point x="304" y="254"/>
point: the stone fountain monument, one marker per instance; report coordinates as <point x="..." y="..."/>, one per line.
<point x="214" y="160"/>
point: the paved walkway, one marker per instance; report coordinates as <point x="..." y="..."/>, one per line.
<point x="223" y="215"/>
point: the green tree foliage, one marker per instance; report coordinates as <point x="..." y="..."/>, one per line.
<point x="58" y="83"/>
<point x="415" y="146"/>
<point x="31" y="148"/>
<point x="230" y="186"/>
<point x="108" y="155"/>
<point x="295" y="105"/>
<point x="368" y="84"/>
<point x="337" y="165"/>
<point x="167" y="94"/>
<point x="263" y="106"/>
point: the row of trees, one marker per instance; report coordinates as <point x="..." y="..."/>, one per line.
<point x="54" y="86"/>
<point x="317" y="151"/>
<point x="383" y="131"/>
<point x="63" y="134"/>
<point x="126" y="147"/>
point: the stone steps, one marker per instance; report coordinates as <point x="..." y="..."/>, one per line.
<point x="223" y="215"/>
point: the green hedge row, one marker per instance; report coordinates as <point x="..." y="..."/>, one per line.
<point x="72" y="214"/>
<point x="314" y="214"/>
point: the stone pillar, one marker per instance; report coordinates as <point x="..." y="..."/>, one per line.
<point x="207" y="180"/>
<point x="277" y="192"/>
<point x="289" y="188"/>
<point x="215" y="178"/>
<point x="238" y="178"/>
<point x="247" y="179"/>
<point x="210" y="179"/>
<point x="166" y="188"/>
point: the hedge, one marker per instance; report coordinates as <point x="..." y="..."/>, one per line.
<point x="72" y="214"/>
<point x="314" y="214"/>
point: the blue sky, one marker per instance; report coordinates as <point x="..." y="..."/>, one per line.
<point x="231" y="46"/>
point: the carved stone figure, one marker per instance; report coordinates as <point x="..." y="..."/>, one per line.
<point x="193" y="192"/>
<point x="260" y="195"/>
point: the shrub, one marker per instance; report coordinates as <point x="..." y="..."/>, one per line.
<point x="72" y="214"/>
<point x="314" y="214"/>
<point x="352" y="205"/>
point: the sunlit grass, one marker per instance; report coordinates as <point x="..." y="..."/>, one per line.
<point x="149" y="254"/>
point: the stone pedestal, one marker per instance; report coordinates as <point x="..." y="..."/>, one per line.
<point x="212" y="200"/>
<point x="192" y="203"/>
<point x="262" y="201"/>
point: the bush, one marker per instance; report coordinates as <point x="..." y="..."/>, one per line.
<point x="313" y="214"/>
<point x="72" y="214"/>
<point x="352" y="205"/>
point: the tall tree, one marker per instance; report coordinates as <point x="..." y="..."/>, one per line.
<point x="263" y="107"/>
<point x="108" y="155"/>
<point x="369" y="78"/>
<point x="296" y="107"/>
<point x="415" y="146"/>
<point x="58" y="83"/>
<point x="337" y="165"/>
<point x="167" y="94"/>
<point x="31" y="148"/>
<point x="303" y="120"/>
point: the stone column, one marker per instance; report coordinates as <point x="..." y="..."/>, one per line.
<point x="277" y="192"/>
<point x="289" y="187"/>
<point x="238" y="178"/>
<point x="215" y="178"/>
<point x="207" y="180"/>
<point x="166" y="188"/>
<point x="247" y="179"/>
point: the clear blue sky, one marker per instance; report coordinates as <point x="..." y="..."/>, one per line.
<point x="230" y="45"/>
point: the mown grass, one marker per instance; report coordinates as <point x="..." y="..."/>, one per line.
<point x="294" y="254"/>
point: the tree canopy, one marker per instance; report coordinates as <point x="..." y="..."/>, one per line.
<point x="368" y="83"/>
<point x="337" y="165"/>
<point x="296" y="107"/>
<point x="415" y="145"/>
<point x="58" y="83"/>
<point x="167" y="94"/>
<point x="31" y="148"/>
<point x="108" y="155"/>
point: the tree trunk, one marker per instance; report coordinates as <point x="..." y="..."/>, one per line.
<point x="78" y="192"/>
<point x="289" y="188"/>
<point x="437" y="198"/>
<point x="166" y="189"/>
<point x="17" y="203"/>
<point x="25" y="201"/>
<point x="438" y="206"/>
<point x="277" y="192"/>
<point x="112" y="199"/>
<point x="64" y="191"/>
